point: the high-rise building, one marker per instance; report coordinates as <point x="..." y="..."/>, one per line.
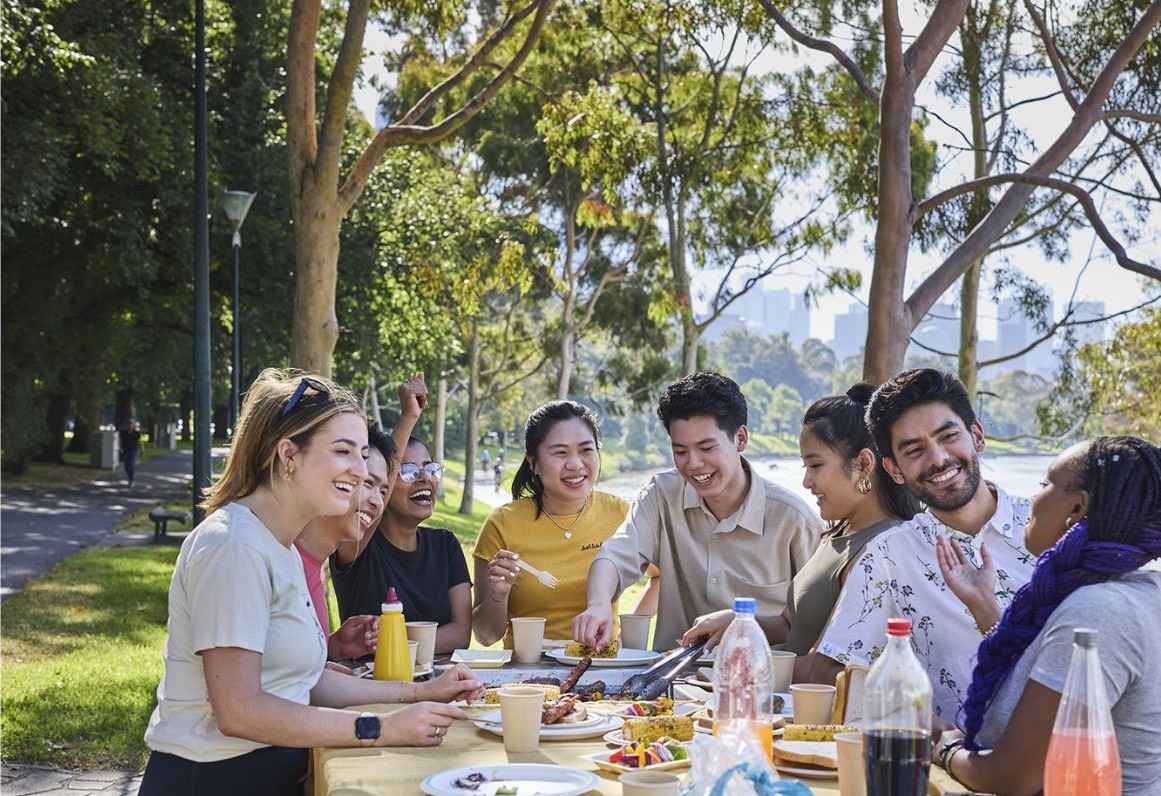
<point x="939" y="330"/>
<point x="765" y="312"/>
<point x="850" y="331"/>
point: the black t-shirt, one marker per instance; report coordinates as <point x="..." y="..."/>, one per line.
<point x="421" y="577"/>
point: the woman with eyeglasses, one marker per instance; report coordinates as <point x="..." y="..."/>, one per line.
<point x="425" y="565"/>
<point x="245" y="693"/>
<point x="557" y="521"/>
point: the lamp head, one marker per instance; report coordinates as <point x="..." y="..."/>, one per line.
<point x="237" y="204"/>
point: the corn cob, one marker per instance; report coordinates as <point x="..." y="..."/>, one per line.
<point x="575" y="649"/>
<point x="551" y="692"/>
<point x="679" y="728"/>
<point x="815" y="732"/>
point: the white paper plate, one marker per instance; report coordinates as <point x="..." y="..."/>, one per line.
<point x="601" y="759"/>
<point x="617" y="739"/>
<point x="482" y="659"/>
<point x="525" y="777"/>
<point x="490" y="722"/>
<point x="591" y="720"/>
<point x="625" y="657"/>
<point x="812" y="773"/>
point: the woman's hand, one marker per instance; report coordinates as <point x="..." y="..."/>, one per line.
<point x="502" y="571"/>
<point x="413" y="395"/>
<point x="421" y="724"/>
<point x="356" y="637"/>
<point x="458" y="682"/>
<point x="713" y="625"/>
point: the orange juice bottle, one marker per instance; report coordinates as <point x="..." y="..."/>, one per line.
<point x="1082" y="754"/>
<point x="744" y="678"/>
<point x="391" y="656"/>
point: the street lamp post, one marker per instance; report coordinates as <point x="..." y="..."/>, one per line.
<point x="237" y="204"/>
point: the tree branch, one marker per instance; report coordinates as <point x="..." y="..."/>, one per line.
<point x="942" y="23"/>
<point x="822" y="45"/>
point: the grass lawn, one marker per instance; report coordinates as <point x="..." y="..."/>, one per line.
<point x="82" y="658"/>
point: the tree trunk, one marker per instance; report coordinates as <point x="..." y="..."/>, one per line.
<point x="567" y="340"/>
<point x="969" y="297"/>
<point x="437" y="451"/>
<point x="56" y="416"/>
<point x="315" y="329"/>
<point x="81" y="432"/>
<point x="472" y="418"/>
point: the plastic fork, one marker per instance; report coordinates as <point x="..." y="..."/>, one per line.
<point x="547" y="578"/>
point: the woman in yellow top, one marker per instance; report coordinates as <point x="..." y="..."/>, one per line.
<point x="556" y="521"/>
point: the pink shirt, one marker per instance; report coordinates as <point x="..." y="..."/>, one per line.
<point x="312" y="568"/>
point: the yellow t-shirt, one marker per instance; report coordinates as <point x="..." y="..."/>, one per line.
<point x="514" y="526"/>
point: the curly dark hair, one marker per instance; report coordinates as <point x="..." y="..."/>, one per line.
<point x="704" y="395"/>
<point x="1121" y="533"/>
<point x="913" y="388"/>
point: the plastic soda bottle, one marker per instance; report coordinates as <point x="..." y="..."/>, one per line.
<point x="897" y="718"/>
<point x="391" y="655"/>
<point x="744" y="678"/>
<point x="1082" y="754"/>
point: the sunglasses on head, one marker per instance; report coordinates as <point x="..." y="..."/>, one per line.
<point x="307" y="381"/>
<point x="408" y="472"/>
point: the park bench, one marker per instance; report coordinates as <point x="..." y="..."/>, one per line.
<point x="162" y="517"/>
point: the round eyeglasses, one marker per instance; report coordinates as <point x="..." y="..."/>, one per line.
<point x="408" y="471"/>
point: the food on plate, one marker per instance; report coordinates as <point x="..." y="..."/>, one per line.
<point x="707" y="722"/>
<point x="575" y="649"/>
<point x="644" y="753"/>
<point x="575" y="674"/>
<point x="568" y="710"/>
<point x="551" y="692"/>
<point x="472" y="781"/>
<point x="592" y="692"/>
<point x="815" y="732"/>
<point x="663" y="706"/>
<point x="651" y="728"/>
<point x="822" y="755"/>
<point x="507" y="790"/>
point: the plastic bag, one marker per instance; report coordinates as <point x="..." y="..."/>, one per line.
<point x="733" y="763"/>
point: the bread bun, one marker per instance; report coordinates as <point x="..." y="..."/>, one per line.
<point x="823" y="754"/>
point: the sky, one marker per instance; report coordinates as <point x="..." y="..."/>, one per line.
<point x="1103" y="280"/>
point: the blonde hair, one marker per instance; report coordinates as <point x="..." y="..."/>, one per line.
<point x="280" y="404"/>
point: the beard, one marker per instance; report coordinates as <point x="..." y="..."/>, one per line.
<point x="955" y="496"/>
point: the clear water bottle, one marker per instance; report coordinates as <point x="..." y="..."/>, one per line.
<point x="744" y="678"/>
<point x="1082" y="755"/>
<point x="897" y="718"/>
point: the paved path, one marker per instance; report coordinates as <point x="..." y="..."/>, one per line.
<point x="38" y="530"/>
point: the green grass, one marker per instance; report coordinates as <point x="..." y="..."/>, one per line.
<point x="82" y="658"/>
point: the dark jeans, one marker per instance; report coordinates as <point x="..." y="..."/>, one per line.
<point x="131" y="465"/>
<point x="271" y="771"/>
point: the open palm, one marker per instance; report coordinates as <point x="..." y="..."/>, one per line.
<point x="973" y="585"/>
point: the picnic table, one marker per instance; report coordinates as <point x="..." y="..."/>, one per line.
<point x="363" y="771"/>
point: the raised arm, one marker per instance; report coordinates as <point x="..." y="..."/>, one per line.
<point x="974" y="586"/>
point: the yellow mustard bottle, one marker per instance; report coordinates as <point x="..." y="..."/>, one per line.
<point x="391" y="658"/>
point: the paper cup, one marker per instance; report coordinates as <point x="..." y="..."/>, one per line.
<point x="424" y="633"/>
<point x="635" y="631"/>
<point x="649" y="783"/>
<point x="527" y="639"/>
<point x="520" y="713"/>
<point x="812" y="702"/>
<point x="412" y="650"/>
<point x="852" y="772"/>
<point x="783" y="669"/>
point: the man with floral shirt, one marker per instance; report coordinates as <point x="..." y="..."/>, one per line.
<point x="930" y="440"/>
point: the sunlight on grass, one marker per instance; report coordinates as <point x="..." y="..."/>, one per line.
<point x="82" y="659"/>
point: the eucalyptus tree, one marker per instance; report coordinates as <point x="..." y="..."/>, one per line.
<point x="1088" y="58"/>
<point x="322" y="192"/>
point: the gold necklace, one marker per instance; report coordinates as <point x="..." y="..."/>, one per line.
<point x="568" y="529"/>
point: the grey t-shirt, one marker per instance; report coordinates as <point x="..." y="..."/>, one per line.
<point x="1124" y="610"/>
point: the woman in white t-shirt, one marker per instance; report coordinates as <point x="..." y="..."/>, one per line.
<point x="245" y="692"/>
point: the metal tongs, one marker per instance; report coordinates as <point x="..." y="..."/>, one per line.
<point x="658" y="678"/>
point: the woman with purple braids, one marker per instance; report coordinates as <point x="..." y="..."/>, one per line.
<point x="1096" y="526"/>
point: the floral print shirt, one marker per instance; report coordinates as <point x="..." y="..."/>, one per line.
<point x="898" y="576"/>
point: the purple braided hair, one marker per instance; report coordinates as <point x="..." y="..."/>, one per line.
<point x="1121" y="533"/>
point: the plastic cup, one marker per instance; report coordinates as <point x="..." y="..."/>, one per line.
<point x="812" y="702"/>
<point x="527" y="638"/>
<point x="412" y="650"/>
<point x="424" y="633"/>
<point x="852" y="771"/>
<point x="649" y="783"/>
<point x="783" y="669"/>
<point x="635" y="631"/>
<point x="520" y="714"/>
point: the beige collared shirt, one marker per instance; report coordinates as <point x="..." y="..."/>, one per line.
<point x="705" y="562"/>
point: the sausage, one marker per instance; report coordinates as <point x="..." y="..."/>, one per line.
<point x="575" y="674"/>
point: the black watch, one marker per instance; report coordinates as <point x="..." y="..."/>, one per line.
<point x="367" y="727"/>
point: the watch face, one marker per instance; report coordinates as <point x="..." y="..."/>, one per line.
<point x="367" y="727"/>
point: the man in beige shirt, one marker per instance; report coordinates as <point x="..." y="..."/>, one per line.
<point x="715" y="528"/>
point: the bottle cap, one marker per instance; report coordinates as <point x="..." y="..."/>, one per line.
<point x="392" y="602"/>
<point x="745" y="605"/>
<point x="1085" y="637"/>
<point x="899" y="627"/>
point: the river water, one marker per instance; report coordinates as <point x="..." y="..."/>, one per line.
<point x="1018" y="475"/>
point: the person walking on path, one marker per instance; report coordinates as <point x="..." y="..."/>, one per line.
<point x="131" y="446"/>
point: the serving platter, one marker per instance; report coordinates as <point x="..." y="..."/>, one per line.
<point x="524" y="777"/>
<point x="625" y="657"/>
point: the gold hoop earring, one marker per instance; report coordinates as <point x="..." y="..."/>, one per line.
<point x="288" y="473"/>
<point x="864" y="486"/>
<point x="1069" y="522"/>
